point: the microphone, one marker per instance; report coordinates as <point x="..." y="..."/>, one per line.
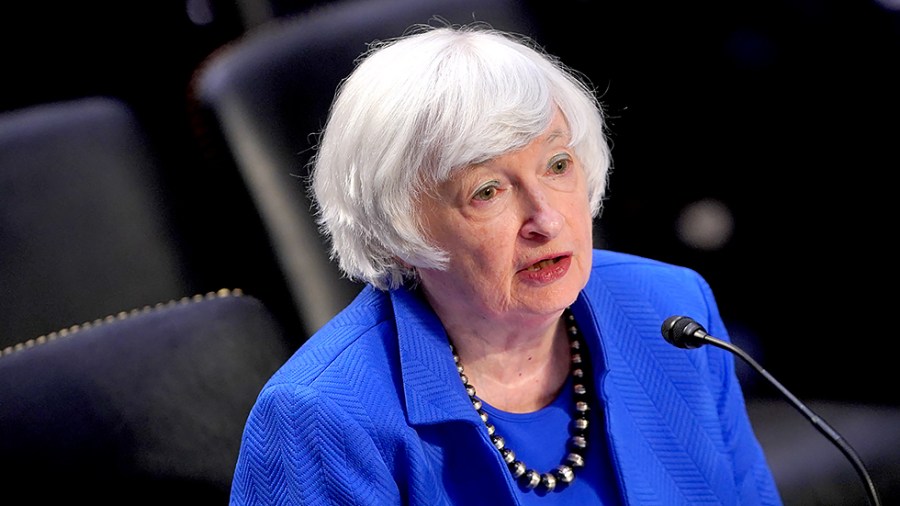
<point x="684" y="332"/>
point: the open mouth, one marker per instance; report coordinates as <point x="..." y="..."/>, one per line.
<point x="543" y="263"/>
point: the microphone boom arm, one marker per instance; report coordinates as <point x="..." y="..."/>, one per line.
<point x="820" y="424"/>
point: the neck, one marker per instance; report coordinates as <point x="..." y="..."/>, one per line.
<point x="578" y="429"/>
<point x="517" y="373"/>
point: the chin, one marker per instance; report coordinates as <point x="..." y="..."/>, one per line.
<point x="554" y="299"/>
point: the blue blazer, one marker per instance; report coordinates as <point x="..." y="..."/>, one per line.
<point x="370" y="411"/>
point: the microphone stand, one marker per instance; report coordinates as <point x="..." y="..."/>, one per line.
<point x="820" y="424"/>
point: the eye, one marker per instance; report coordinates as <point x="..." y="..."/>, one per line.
<point x="486" y="192"/>
<point x="559" y="164"/>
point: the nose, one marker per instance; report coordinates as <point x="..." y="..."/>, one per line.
<point x="542" y="216"/>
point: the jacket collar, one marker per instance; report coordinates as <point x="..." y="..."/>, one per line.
<point x="431" y="384"/>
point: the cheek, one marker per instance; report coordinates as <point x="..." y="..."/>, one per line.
<point x="483" y="252"/>
<point x="582" y="208"/>
<point x="443" y="229"/>
<point x="476" y="249"/>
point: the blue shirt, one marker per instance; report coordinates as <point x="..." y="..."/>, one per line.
<point x="540" y="440"/>
<point x="370" y="410"/>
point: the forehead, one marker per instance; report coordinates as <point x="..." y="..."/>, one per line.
<point x="556" y="135"/>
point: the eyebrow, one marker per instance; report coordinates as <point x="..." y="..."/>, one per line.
<point x="552" y="135"/>
<point x="557" y="133"/>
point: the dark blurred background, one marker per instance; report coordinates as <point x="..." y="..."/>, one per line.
<point x="752" y="141"/>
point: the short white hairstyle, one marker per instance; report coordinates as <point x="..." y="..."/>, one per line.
<point x="418" y="107"/>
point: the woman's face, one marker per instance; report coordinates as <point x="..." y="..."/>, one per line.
<point x="518" y="229"/>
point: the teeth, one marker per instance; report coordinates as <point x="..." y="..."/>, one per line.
<point x="540" y="265"/>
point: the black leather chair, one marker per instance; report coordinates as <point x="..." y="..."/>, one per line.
<point x="86" y="226"/>
<point x="145" y="406"/>
<point x="259" y="101"/>
<point x="253" y="13"/>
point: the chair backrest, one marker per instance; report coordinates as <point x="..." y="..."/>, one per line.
<point x="260" y="100"/>
<point x="85" y="227"/>
<point x="253" y="13"/>
<point x="142" y="407"/>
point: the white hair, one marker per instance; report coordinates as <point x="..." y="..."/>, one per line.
<point x="420" y="106"/>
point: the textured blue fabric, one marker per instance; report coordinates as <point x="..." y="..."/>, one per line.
<point x="370" y="411"/>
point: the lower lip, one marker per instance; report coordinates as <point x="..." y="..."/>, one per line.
<point x="548" y="274"/>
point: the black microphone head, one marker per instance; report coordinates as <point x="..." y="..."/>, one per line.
<point x="683" y="332"/>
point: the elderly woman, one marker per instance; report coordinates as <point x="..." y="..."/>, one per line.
<point x="494" y="357"/>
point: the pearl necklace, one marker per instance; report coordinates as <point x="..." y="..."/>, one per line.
<point x="565" y="472"/>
